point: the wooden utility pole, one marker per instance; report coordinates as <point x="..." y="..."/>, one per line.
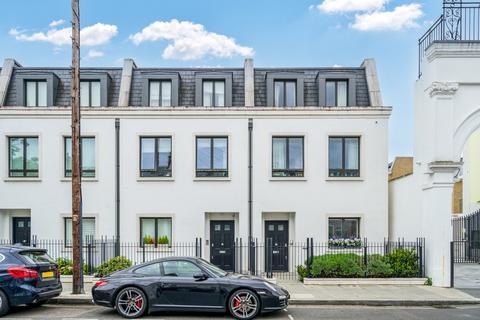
<point x="76" y="170"/>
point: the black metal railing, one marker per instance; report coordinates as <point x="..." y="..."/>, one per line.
<point x="266" y="259"/>
<point x="466" y="238"/>
<point x="460" y="21"/>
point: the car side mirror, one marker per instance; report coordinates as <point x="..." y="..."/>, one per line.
<point x="200" y="276"/>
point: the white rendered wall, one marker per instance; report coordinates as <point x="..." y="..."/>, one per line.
<point x="307" y="202"/>
<point x="404" y="212"/>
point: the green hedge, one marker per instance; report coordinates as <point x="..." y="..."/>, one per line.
<point x="65" y="267"/>
<point x="400" y="263"/>
<point x="112" y="265"/>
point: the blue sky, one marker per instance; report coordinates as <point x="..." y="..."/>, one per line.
<point x="220" y="33"/>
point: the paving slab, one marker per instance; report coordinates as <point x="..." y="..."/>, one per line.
<point x="367" y="295"/>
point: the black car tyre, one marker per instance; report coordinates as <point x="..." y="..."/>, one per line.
<point x="244" y="304"/>
<point x="4" y="305"/>
<point x="131" y="303"/>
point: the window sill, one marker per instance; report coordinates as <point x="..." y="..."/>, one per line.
<point x="288" y="179"/>
<point x="153" y="179"/>
<point x="22" y="179"/>
<point x="159" y="248"/>
<point x="83" y="179"/>
<point x="212" y="179"/>
<point x="344" y="179"/>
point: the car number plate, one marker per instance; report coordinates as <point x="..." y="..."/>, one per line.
<point x="47" y="274"/>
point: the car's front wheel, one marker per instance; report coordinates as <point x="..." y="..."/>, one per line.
<point x="244" y="304"/>
<point x="4" y="305"/>
<point x="131" y="303"/>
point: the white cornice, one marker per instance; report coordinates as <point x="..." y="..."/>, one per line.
<point x="453" y="49"/>
<point x="183" y="112"/>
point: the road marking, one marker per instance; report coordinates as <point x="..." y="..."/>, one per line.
<point x="291" y="317"/>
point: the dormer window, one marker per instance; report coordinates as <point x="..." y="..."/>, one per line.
<point x="336" y="93"/>
<point x="36" y="93"/>
<point x="160" y="93"/>
<point x="285" y="89"/>
<point x="213" y="89"/>
<point x="160" y="89"/>
<point x="285" y="93"/>
<point x="90" y="93"/>
<point x="213" y="93"/>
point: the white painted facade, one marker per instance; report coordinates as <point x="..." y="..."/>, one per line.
<point x="403" y="209"/>
<point x="302" y="204"/>
<point x="191" y="202"/>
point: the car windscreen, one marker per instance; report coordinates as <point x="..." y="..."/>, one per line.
<point x="37" y="257"/>
<point x="212" y="268"/>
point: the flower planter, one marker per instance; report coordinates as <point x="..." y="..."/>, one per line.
<point x="364" y="281"/>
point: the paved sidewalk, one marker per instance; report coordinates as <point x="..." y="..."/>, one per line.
<point x="467" y="275"/>
<point x="376" y="295"/>
<point x="368" y="295"/>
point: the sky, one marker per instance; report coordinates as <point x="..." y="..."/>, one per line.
<point x="216" y="33"/>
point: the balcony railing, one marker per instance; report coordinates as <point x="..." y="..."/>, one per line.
<point x="460" y="21"/>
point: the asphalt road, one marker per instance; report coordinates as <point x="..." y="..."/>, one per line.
<point x="292" y="313"/>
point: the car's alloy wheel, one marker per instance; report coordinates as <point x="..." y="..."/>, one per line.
<point x="4" y="306"/>
<point x="244" y="304"/>
<point x="131" y="303"/>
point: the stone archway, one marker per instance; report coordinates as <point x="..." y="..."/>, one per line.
<point x="465" y="130"/>
<point x="447" y="112"/>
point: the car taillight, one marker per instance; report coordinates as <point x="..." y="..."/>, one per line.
<point x="100" y="283"/>
<point x="22" y="273"/>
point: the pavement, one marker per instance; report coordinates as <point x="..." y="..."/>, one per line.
<point x="292" y="313"/>
<point x="467" y="275"/>
<point x="365" y="295"/>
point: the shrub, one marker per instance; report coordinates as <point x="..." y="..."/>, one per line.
<point x="163" y="240"/>
<point x="302" y="272"/>
<point x="112" y="265"/>
<point x="65" y="267"/>
<point x="403" y="262"/>
<point x="340" y="265"/>
<point x="378" y="267"/>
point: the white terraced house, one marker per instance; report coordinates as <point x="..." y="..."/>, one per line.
<point x="171" y="155"/>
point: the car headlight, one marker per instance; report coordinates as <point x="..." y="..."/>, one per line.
<point x="271" y="287"/>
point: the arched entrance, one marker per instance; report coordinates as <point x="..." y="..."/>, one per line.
<point x="447" y="112"/>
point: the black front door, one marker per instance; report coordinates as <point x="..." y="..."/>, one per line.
<point x="277" y="250"/>
<point x="21" y="230"/>
<point x="222" y="244"/>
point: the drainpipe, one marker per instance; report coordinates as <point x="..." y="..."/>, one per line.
<point x="250" y="193"/>
<point x="117" y="187"/>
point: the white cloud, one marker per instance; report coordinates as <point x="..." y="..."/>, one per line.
<point x="92" y="54"/>
<point x="404" y="16"/>
<point x="56" y="23"/>
<point x="190" y="41"/>
<point x="97" y="34"/>
<point x="332" y="6"/>
<point x="337" y="66"/>
<point x="93" y="35"/>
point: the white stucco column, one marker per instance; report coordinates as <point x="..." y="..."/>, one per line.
<point x="435" y="172"/>
<point x="436" y="222"/>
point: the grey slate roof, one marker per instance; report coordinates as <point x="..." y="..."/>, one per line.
<point x="187" y="84"/>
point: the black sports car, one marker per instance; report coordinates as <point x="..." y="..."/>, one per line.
<point x="187" y="284"/>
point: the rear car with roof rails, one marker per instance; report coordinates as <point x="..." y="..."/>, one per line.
<point x="27" y="276"/>
<point x="187" y="284"/>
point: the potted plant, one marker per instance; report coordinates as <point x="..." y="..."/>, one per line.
<point x="163" y="241"/>
<point x="344" y="243"/>
<point x="148" y="240"/>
